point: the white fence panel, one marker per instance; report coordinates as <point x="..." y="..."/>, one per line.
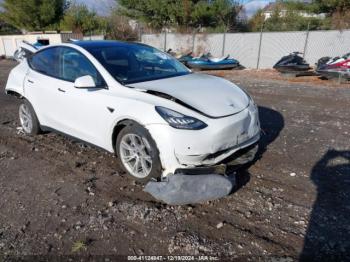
<point x="9" y="43"/>
<point x="94" y="37"/>
<point x="155" y="40"/>
<point x="276" y="45"/>
<point x="244" y="47"/>
<point x="327" y="43"/>
<point x="180" y="43"/>
<point x="205" y="43"/>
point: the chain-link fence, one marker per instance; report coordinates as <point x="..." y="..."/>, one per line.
<point x="256" y="50"/>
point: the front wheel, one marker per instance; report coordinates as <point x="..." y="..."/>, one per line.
<point x="137" y="153"/>
<point x="28" y="119"/>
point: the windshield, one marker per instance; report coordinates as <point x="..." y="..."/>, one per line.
<point x="137" y="63"/>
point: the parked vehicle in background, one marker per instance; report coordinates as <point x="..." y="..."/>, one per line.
<point x="137" y="102"/>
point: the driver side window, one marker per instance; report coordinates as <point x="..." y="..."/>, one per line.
<point x="73" y="65"/>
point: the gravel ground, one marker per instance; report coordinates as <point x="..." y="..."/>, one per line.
<point x="60" y="197"/>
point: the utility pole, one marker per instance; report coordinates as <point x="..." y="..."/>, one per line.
<point x="260" y="42"/>
<point x="307" y="39"/>
<point x="165" y="33"/>
<point x="224" y="41"/>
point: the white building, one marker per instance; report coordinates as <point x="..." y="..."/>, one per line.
<point x="270" y="9"/>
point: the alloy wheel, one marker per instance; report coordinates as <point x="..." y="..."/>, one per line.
<point x="135" y="155"/>
<point x="25" y="118"/>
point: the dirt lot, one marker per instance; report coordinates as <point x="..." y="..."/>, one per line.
<point x="60" y="197"/>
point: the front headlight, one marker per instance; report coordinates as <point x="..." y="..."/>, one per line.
<point x="178" y="120"/>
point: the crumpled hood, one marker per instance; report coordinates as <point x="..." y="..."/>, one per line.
<point x="213" y="96"/>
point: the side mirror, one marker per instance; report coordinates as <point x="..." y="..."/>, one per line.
<point x="84" y="82"/>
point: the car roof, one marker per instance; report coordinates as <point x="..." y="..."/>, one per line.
<point x="87" y="44"/>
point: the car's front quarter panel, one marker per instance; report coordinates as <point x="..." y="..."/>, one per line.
<point x="127" y="109"/>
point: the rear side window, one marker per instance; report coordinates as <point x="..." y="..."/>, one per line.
<point x="46" y="62"/>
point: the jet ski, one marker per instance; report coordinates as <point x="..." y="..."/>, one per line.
<point x="185" y="58"/>
<point x="333" y="62"/>
<point x="293" y="64"/>
<point x="171" y="52"/>
<point x="207" y="62"/>
<point x="334" y="68"/>
<point x="182" y="58"/>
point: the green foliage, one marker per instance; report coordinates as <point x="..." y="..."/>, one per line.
<point x="181" y="13"/>
<point x="338" y="12"/>
<point x="154" y="13"/>
<point x="257" y="21"/>
<point x="118" y="28"/>
<point x="33" y="15"/>
<point x="80" y="19"/>
<point x="331" y="6"/>
<point x="291" y="19"/>
<point x="6" y="29"/>
<point x="78" y="246"/>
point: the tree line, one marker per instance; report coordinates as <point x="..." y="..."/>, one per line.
<point x="176" y="15"/>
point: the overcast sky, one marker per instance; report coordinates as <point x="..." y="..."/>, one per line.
<point x="252" y="6"/>
<point x="102" y="7"/>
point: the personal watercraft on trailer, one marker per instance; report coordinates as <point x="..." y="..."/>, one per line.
<point x="334" y="68"/>
<point x="292" y="64"/>
<point x="329" y="62"/>
<point x="182" y="58"/>
<point x="207" y="62"/>
<point x="186" y="58"/>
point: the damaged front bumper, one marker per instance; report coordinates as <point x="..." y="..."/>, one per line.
<point x="182" y="149"/>
<point x="213" y="158"/>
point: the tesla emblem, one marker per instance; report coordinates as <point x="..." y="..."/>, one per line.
<point x="232" y="105"/>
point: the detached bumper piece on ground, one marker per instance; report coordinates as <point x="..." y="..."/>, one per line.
<point x="182" y="189"/>
<point x="200" y="184"/>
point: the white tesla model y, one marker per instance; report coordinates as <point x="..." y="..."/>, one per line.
<point x="133" y="100"/>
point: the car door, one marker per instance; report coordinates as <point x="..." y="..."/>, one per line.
<point x="42" y="86"/>
<point x="83" y="110"/>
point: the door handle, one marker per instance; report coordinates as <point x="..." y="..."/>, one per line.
<point x="30" y="81"/>
<point x="61" y="90"/>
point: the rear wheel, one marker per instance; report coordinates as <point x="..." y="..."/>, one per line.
<point x="138" y="153"/>
<point x="28" y="119"/>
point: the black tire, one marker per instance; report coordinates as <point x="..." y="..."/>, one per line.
<point x="35" y="125"/>
<point x="156" y="169"/>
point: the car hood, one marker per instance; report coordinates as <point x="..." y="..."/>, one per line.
<point x="213" y="96"/>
